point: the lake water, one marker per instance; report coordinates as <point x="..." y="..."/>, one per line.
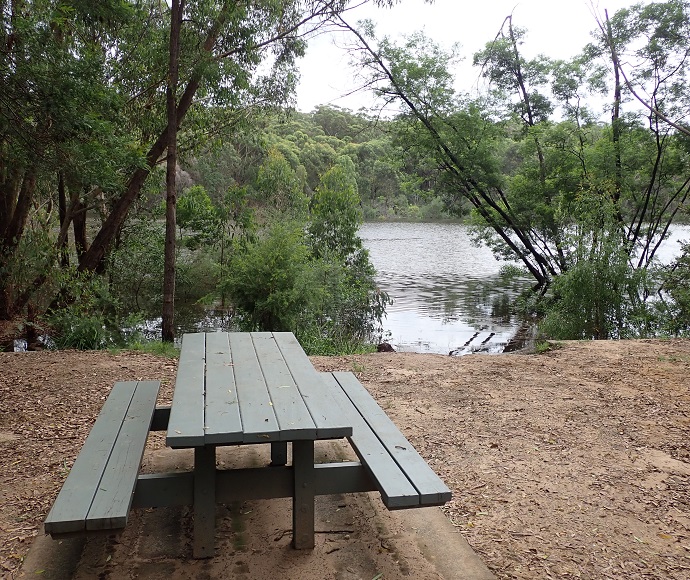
<point x="448" y="293"/>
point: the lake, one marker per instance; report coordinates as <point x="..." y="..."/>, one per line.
<point x="448" y="293"/>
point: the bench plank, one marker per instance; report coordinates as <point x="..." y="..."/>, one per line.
<point x="113" y="499"/>
<point x="330" y="423"/>
<point x="431" y="489"/>
<point x="72" y="504"/>
<point x="223" y="421"/>
<point x="98" y="490"/>
<point x="396" y="491"/>
<point x="258" y="416"/>
<point x="186" y="426"/>
<point x="288" y="405"/>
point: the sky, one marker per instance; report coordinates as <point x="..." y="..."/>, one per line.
<point x="556" y="28"/>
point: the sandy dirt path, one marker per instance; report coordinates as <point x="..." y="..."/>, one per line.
<point x="574" y="463"/>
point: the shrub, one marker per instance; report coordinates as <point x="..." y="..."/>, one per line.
<point x="597" y="298"/>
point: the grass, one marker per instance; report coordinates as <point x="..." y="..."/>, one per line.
<point x="673" y="358"/>
<point x="358" y="368"/>
<point x="543" y="346"/>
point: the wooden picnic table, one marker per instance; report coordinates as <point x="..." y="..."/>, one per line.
<point x="248" y="388"/>
<point x="240" y="389"/>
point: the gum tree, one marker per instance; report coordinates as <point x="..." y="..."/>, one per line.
<point x="83" y="111"/>
<point x="530" y="157"/>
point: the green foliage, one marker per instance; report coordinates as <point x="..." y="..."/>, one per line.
<point x="434" y="210"/>
<point x="195" y="210"/>
<point x="284" y="153"/>
<point x="578" y="201"/>
<point x="156" y="347"/>
<point x="136" y="266"/>
<point x="597" y="298"/>
<point x="83" y="115"/>
<point x="583" y="205"/>
<point x="335" y="212"/>
<point x="543" y="346"/>
<point x="279" y="187"/>
<point x="315" y="281"/>
<point x="91" y="322"/>
<point x="267" y="282"/>
<point x="196" y="276"/>
<point x="76" y="330"/>
<point x="674" y="304"/>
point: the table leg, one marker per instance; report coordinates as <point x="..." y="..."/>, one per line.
<point x="303" y="500"/>
<point x="204" y="501"/>
<point x="278" y="453"/>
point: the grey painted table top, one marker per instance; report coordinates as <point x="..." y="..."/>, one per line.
<point x="258" y="387"/>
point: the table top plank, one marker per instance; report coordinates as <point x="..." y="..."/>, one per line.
<point x="258" y="416"/>
<point x="186" y="426"/>
<point x="330" y="423"/>
<point x="223" y="420"/>
<point x="294" y="419"/>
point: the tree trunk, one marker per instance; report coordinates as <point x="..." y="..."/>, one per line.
<point x="79" y="224"/>
<point x="615" y="118"/>
<point x="19" y="202"/>
<point x="168" y="326"/>
<point x="62" y="211"/>
<point x="106" y="235"/>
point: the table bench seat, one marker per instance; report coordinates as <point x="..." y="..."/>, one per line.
<point x="398" y="472"/>
<point x="97" y="494"/>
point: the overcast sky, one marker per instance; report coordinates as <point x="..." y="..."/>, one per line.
<point x="557" y="28"/>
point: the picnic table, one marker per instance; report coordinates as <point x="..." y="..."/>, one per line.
<point x="240" y="389"/>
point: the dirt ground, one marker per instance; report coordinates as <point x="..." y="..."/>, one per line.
<point x="573" y="463"/>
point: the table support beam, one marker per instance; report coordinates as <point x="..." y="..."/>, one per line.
<point x="303" y="499"/>
<point x="279" y="453"/>
<point x="249" y="484"/>
<point x="204" y="501"/>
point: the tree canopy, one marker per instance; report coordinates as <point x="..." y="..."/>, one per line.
<point x="96" y="99"/>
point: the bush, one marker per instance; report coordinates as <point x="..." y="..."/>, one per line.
<point x="266" y="281"/>
<point x="597" y="298"/>
<point x="314" y="279"/>
<point x="331" y="305"/>
<point x="434" y="210"/>
<point x="76" y="330"/>
<point x="90" y="320"/>
<point x="136" y="266"/>
<point x="673" y="307"/>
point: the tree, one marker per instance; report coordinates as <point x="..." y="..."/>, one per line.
<point x="57" y="130"/>
<point x="168" y="318"/>
<point x="195" y="211"/>
<point x="557" y="194"/>
<point x="460" y="135"/>
<point x="335" y="212"/>
<point x="308" y="273"/>
<point x="83" y="106"/>
<point x="279" y="187"/>
<point x="266" y="281"/>
<point x="654" y="40"/>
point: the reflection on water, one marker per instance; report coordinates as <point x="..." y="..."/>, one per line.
<point x="447" y="292"/>
<point x="191" y="318"/>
